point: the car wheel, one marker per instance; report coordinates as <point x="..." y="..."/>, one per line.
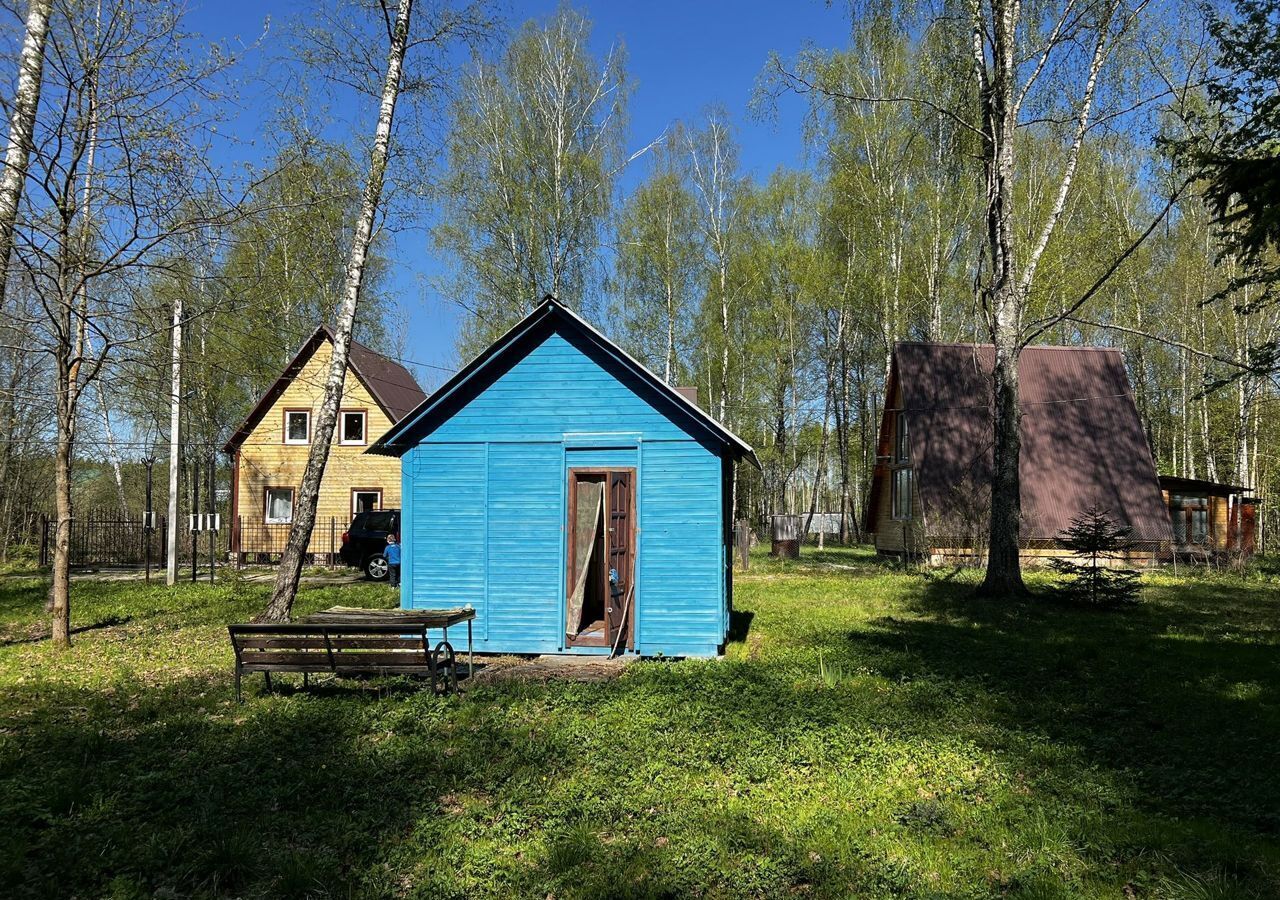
<point x="376" y="567"/>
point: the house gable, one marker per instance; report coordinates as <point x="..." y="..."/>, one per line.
<point x="1082" y="439"/>
<point x="559" y="385"/>
<point x="264" y="462"/>
<point x="554" y="375"/>
<point x="383" y="382"/>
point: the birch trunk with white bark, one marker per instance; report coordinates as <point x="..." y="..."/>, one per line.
<point x="291" y="560"/>
<point x="1002" y="295"/>
<point x="22" y="122"/>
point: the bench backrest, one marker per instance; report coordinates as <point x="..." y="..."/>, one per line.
<point x="337" y="648"/>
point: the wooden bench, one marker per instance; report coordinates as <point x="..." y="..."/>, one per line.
<point x="353" y="643"/>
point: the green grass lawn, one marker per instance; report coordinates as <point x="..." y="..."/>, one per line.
<point x="869" y="733"/>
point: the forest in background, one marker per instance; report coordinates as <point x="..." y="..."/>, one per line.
<point x="778" y="294"/>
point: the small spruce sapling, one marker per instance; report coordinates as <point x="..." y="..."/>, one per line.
<point x="1096" y="539"/>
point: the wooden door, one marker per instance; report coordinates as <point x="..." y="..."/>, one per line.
<point x="621" y="543"/>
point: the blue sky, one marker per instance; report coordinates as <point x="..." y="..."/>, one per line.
<point x="682" y="56"/>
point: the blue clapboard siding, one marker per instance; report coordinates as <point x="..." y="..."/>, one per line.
<point x="485" y="493"/>
<point x="524" y="547"/>
<point x="557" y="389"/>
<point x="681" y="596"/>
<point x="444" y="495"/>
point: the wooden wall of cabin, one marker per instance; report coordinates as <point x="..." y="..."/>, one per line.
<point x="267" y="461"/>
<point x="1219" y="520"/>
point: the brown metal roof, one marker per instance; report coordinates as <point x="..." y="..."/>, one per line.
<point x="1082" y="439"/>
<point x="390" y="384"/>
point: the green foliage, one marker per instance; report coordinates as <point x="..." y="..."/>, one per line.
<point x="252" y="299"/>
<point x="1097" y="541"/>
<point x="964" y="750"/>
<point x="660" y="249"/>
<point x="535" y="146"/>
<point x="1241" y="164"/>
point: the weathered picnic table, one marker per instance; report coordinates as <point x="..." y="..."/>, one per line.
<point x="347" y="640"/>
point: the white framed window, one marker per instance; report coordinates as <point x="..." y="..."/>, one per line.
<point x="278" y="506"/>
<point x="365" y="499"/>
<point x="297" y="426"/>
<point x="352" y="427"/>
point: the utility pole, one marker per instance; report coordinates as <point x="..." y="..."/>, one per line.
<point x="194" y="519"/>
<point x="175" y="399"/>
<point x="212" y="525"/>
<point x="148" y="518"/>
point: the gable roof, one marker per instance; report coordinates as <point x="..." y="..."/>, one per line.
<point x="390" y="384"/>
<point x="556" y="316"/>
<point x="1082" y="438"/>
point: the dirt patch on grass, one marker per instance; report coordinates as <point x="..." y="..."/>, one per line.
<point x="552" y="668"/>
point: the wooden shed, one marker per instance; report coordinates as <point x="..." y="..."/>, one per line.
<point x="578" y="502"/>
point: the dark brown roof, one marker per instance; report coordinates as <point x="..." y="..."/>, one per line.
<point x="1083" y="442"/>
<point x="390" y="384"/>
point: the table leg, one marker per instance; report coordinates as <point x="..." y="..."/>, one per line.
<point x="471" y="653"/>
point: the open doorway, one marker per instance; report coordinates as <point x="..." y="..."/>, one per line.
<point x="599" y="602"/>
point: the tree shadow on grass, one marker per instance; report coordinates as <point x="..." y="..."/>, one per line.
<point x="1182" y="693"/>
<point x="43" y="634"/>
<point x="729" y="778"/>
<point x="292" y="795"/>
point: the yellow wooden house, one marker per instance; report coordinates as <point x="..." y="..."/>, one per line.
<point x="269" y="450"/>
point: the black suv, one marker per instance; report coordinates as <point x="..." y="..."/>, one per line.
<point x="364" y="542"/>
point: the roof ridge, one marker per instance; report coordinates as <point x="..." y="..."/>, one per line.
<point x="973" y="345"/>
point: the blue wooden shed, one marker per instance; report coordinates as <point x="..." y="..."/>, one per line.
<point x="577" y="501"/>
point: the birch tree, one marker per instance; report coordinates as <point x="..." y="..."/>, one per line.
<point x="116" y="176"/>
<point x="720" y="189"/>
<point x="441" y="28"/>
<point x="659" y="248"/>
<point x="22" y="120"/>
<point x="535" y="148"/>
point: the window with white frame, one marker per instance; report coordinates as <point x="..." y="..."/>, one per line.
<point x="365" y="500"/>
<point x="279" y="506"/>
<point x="297" y="426"/>
<point x="353" y="427"/>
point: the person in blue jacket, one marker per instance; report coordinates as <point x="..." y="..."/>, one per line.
<point x="392" y="554"/>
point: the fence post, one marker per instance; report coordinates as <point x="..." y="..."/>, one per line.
<point x="44" y="540"/>
<point x="333" y="556"/>
<point x="742" y="540"/>
<point x="239" y="536"/>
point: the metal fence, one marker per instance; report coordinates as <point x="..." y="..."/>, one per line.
<point x="254" y="541"/>
<point x="107" y="540"/>
<point x="97" y="539"/>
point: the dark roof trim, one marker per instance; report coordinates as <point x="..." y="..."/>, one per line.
<point x="551" y="309"/>
<point x="389" y="397"/>
<point x="1217" y="488"/>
